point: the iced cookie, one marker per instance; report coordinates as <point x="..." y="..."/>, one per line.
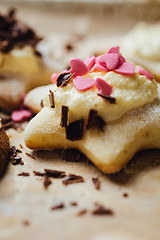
<point x="4" y="150"/>
<point x="22" y="65"/>
<point x="105" y="107"/>
<point x="142" y="46"/>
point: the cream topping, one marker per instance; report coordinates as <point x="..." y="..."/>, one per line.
<point x="131" y="92"/>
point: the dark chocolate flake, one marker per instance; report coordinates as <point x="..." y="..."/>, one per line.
<point x="15" y="34"/>
<point x="95" y="121"/>
<point x="110" y="99"/>
<point x="55" y="173"/>
<point x="47" y="182"/>
<point x="64" y="116"/>
<point x="58" y="206"/>
<point x="51" y="99"/>
<point x="69" y="179"/>
<point x="74" y="204"/>
<point x="30" y="155"/>
<point x="96" y="183"/>
<point x="39" y="174"/>
<point x="42" y="103"/>
<point x="24" y="174"/>
<point x="100" y="210"/>
<point x="64" y="78"/>
<point x="82" y="212"/>
<point x="74" y="131"/>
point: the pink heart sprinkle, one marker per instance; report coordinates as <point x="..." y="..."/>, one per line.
<point x="54" y="77"/>
<point x="90" y="61"/>
<point x="101" y="59"/>
<point x="112" y="60"/>
<point x="113" y="50"/>
<point x="126" y="69"/>
<point x="121" y="59"/>
<point x="78" y="67"/>
<point x="83" y="84"/>
<point x="145" y="73"/>
<point x="20" y="115"/>
<point x="103" y="87"/>
<point x="100" y="67"/>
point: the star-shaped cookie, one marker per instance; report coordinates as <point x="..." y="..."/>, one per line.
<point x="107" y="114"/>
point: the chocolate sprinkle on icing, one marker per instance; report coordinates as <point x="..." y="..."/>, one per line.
<point x="57" y="206"/>
<point x="100" y="210"/>
<point x="64" y="116"/>
<point x="15" y="34"/>
<point x="51" y="99"/>
<point x="55" y="173"/>
<point x="64" y="78"/>
<point x="108" y="98"/>
<point x="96" y="183"/>
<point x="74" y="131"/>
<point x="69" y="179"/>
<point x="95" y="121"/>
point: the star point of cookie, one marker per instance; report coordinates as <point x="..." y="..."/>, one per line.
<point x="107" y="113"/>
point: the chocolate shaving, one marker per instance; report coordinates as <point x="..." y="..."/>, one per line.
<point x="100" y="210"/>
<point x="51" y="99"/>
<point x="39" y="174"/>
<point x="95" y="121"/>
<point x="96" y="183"/>
<point x="69" y="179"/>
<point x="125" y="195"/>
<point x="57" y="206"/>
<point x="69" y="47"/>
<point x="26" y="223"/>
<point x="82" y="212"/>
<point x="74" y="131"/>
<point x="21" y="146"/>
<point x="24" y="174"/>
<point x="108" y="98"/>
<point x="64" y="78"/>
<point x="15" y="34"/>
<point x="30" y="155"/>
<point x="91" y="118"/>
<point x="54" y="173"/>
<point x="14" y="159"/>
<point x="74" y="204"/>
<point x="64" y="116"/>
<point x="46" y="182"/>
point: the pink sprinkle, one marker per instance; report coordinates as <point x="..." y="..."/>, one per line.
<point x="126" y="69"/>
<point x="121" y="59"/>
<point x="112" y="60"/>
<point x="103" y="87"/>
<point x="54" y="77"/>
<point x="145" y="73"/>
<point x="101" y="59"/>
<point x="100" y="67"/>
<point x="113" y="50"/>
<point x="20" y="115"/>
<point x="78" y="67"/>
<point x="90" y="61"/>
<point x="83" y="84"/>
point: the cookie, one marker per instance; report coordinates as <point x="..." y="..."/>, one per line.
<point x="142" y="46"/>
<point x="4" y="150"/>
<point x="107" y="114"/>
<point x="22" y="65"/>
